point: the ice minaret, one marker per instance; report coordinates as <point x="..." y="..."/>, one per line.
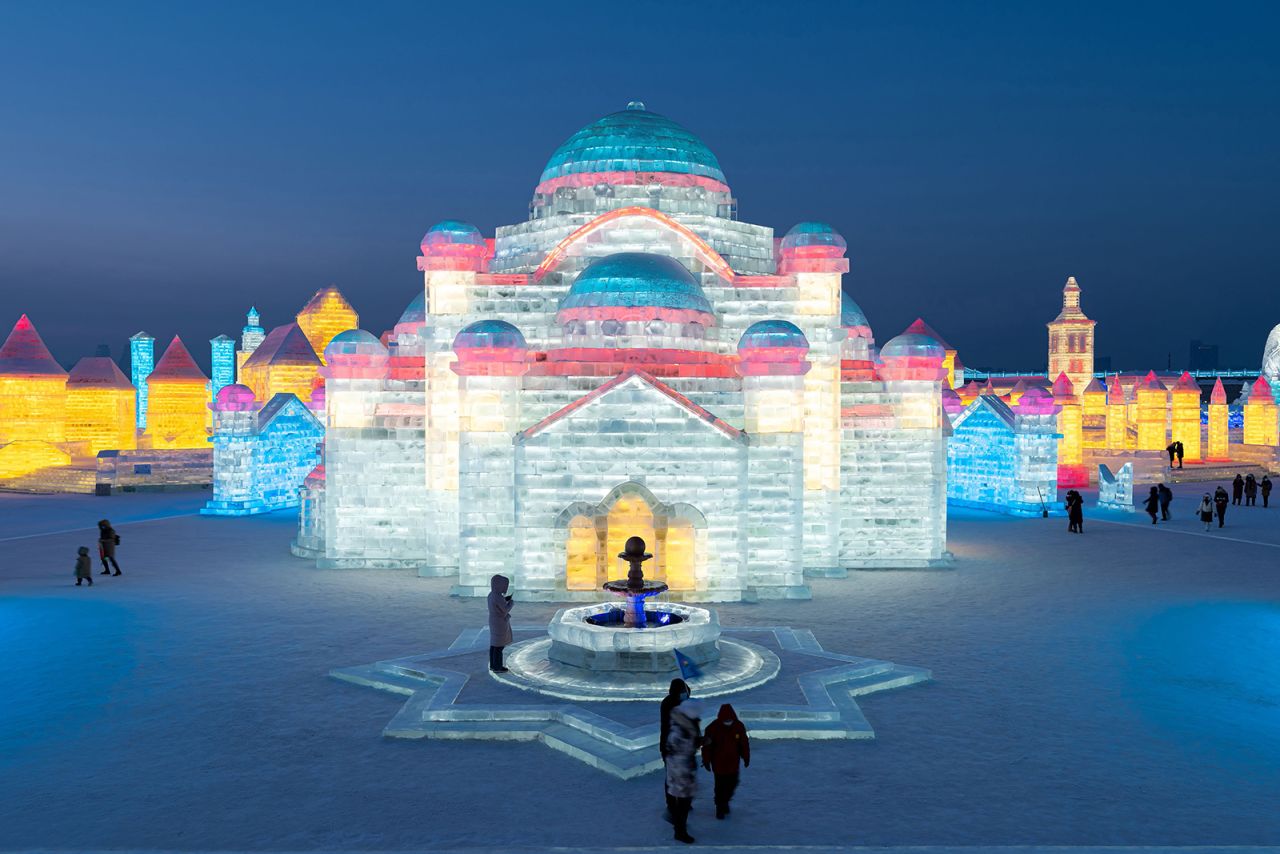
<point x="142" y="360"/>
<point x="222" y="352"/>
<point x="1071" y="339"/>
<point x="250" y="337"/>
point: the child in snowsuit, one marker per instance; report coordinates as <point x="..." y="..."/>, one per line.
<point x="724" y="744"/>
<point x="84" y="566"/>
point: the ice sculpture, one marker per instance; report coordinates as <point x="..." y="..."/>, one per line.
<point x="101" y="406"/>
<point x="324" y="316"/>
<point x="1071" y="339"/>
<point x="1271" y="358"/>
<point x="33" y="403"/>
<point x="142" y="360"/>
<point x="1115" y="489"/>
<point x="1219" y="448"/>
<point x="631" y="360"/>
<point x="178" y="400"/>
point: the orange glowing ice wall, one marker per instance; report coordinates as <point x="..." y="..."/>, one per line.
<point x="1093" y="410"/>
<point x="33" y="403"/>
<point x="1153" y="411"/>
<point x="1218" y="436"/>
<point x="100" y="406"/>
<point x="283" y="363"/>
<point x="1117" y="417"/>
<point x="1260" y="426"/>
<point x="177" y="409"/>
<point x="1071" y="470"/>
<point x="1185" y="417"/>
<point x="327" y="314"/>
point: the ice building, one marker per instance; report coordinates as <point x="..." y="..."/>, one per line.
<point x="260" y="454"/>
<point x="1005" y="458"/>
<point x="222" y="361"/>
<point x="324" y="316"/>
<point x="630" y="360"/>
<point x="33" y="403"/>
<point x="142" y="360"/>
<point x="250" y="337"/>
<point x="1071" y="339"/>
<point x="178" y="405"/>
<point x="101" y="406"/>
<point x="283" y="363"/>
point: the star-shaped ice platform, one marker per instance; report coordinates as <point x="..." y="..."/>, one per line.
<point x="453" y="696"/>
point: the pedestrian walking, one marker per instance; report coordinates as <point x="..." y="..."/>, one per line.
<point x="1166" y="497"/>
<point x="1266" y="490"/>
<point x="84" y="566"/>
<point x="1152" y="505"/>
<point x="108" y="539"/>
<point x="1250" y="491"/>
<point x="1179" y="451"/>
<point x="1220" y="504"/>
<point x="724" y="746"/>
<point x="1237" y="489"/>
<point x="677" y="693"/>
<point x="683" y="741"/>
<point x="499" y="621"/>
<point x="1205" y="512"/>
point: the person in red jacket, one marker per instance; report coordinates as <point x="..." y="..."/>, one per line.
<point x="724" y="743"/>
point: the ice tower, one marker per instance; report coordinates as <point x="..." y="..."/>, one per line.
<point x="1071" y="339"/>
<point x="179" y="401"/>
<point x="142" y="360"/>
<point x="33" y="403"/>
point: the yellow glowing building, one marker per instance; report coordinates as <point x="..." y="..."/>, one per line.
<point x="1260" y="425"/>
<point x="1218" y="436"/>
<point x="33" y="403"/>
<point x="324" y="316"/>
<point x="177" y="401"/>
<point x="100" y="406"/>
<point x="1071" y="339"/>
<point x="1152" y="399"/>
<point x="1071" y="469"/>
<point x="1185" y="417"/>
<point x="1117" y="417"/>
<point x="283" y="363"/>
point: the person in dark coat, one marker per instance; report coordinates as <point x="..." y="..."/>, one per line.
<point x="1152" y="505"/>
<point x="1237" y="489"/>
<point x="676" y="694"/>
<point x="1220" y="504"/>
<point x="1075" y="511"/>
<point x="1173" y="452"/>
<point x="108" y="539"/>
<point x="724" y="745"/>
<point x="84" y="566"/>
<point x="1250" y="491"/>
<point x="683" y="740"/>
<point x="1266" y="490"/>
<point x="1166" y="497"/>
<point x="1205" y="512"/>
<point x="1179" y="451"/>
<point x="499" y="621"/>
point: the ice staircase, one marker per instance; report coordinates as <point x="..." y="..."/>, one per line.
<point x="75" y="479"/>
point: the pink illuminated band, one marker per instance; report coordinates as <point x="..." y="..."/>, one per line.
<point x="667" y="179"/>
<point x="635" y="313"/>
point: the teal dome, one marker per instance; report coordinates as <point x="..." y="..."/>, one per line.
<point x="489" y="335"/>
<point x="633" y="140"/>
<point x="772" y="335"/>
<point x="635" y="280"/>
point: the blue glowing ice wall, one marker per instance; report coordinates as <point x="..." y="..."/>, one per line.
<point x="1005" y="459"/>
<point x="223" y="359"/>
<point x="142" y="359"/>
<point x="260" y="457"/>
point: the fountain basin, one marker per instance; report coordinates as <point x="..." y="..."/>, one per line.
<point x="577" y="642"/>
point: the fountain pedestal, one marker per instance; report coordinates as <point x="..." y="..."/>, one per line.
<point x="578" y="642"/>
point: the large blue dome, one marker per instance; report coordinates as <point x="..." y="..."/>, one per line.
<point x="633" y="140"/>
<point x="636" y="280"/>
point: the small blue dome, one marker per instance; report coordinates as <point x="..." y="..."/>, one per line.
<point x="772" y="334"/>
<point x="354" y="343"/>
<point x="812" y="234"/>
<point x="489" y="334"/>
<point x="415" y="311"/>
<point x="452" y="232"/>
<point x="633" y="140"/>
<point x="912" y="345"/>
<point x="851" y="314"/>
<point x="636" y="280"/>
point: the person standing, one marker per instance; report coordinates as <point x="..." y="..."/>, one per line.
<point x="1173" y="452"/>
<point x="1075" y="511"/>
<point x="1266" y="490"/>
<point x="108" y="539"/>
<point x="1250" y="491"/>
<point x="677" y="693"/>
<point x="724" y="745"/>
<point x="84" y="566"/>
<point x="1220" y="504"/>
<point x="1206" y="511"/>
<point x="1237" y="489"/>
<point x="499" y="621"/>
<point x="1166" y="497"/>
<point x="1152" y="505"/>
<point x="1178" y="450"/>
<point x="683" y="741"/>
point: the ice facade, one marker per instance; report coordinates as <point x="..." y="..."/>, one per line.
<point x="631" y="359"/>
<point x="33" y="403"/>
<point x="1005" y="458"/>
<point x="260" y="455"/>
<point x="142" y="360"/>
<point x="101" y="406"/>
<point x="178" y="406"/>
<point x="1115" y="489"/>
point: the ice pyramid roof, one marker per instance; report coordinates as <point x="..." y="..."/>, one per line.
<point x="1186" y="383"/>
<point x="98" y="372"/>
<point x="1151" y="382"/>
<point x="326" y="299"/>
<point x="24" y="353"/>
<point x="177" y="364"/>
<point x="1095" y="386"/>
<point x="1062" y="386"/>
<point x="919" y="327"/>
<point x="284" y="345"/>
<point x="1219" y="394"/>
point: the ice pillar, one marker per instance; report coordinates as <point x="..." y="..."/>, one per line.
<point x="1219" y="450"/>
<point x="142" y="360"/>
<point x="1185" y="417"/>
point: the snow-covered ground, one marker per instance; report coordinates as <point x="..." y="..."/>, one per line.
<point x="1117" y="687"/>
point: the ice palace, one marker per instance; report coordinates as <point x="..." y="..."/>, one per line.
<point x="631" y="360"/>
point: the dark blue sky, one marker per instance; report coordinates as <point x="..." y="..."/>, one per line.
<point x="163" y="166"/>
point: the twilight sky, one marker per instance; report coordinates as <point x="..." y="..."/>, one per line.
<point x="163" y="166"/>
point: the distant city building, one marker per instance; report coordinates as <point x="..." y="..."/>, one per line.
<point x="1202" y="356"/>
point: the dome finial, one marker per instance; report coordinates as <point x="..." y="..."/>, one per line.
<point x="635" y="105"/>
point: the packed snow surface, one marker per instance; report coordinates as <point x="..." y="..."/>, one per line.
<point x="1122" y="686"/>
